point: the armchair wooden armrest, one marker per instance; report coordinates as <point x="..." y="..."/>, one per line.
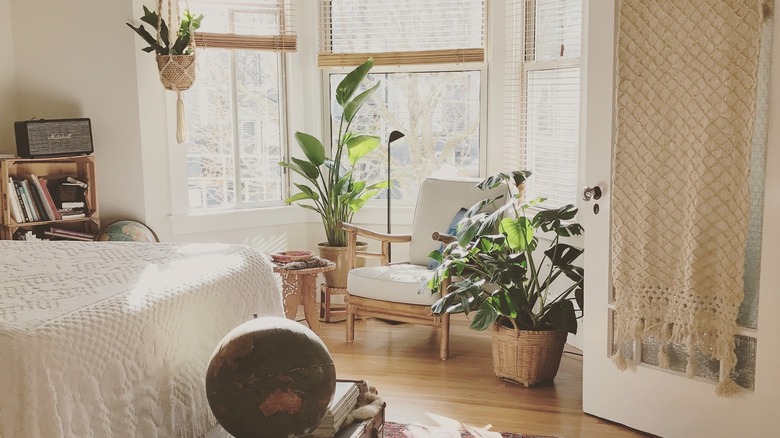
<point x="443" y="238"/>
<point x="386" y="239"/>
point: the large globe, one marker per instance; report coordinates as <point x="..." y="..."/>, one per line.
<point x="270" y="377"/>
<point x="128" y="231"/>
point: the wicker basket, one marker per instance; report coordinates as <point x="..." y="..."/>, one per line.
<point x="177" y="72"/>
<point x="531" y="358"/>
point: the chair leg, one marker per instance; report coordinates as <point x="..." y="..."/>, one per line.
<point x="444" y="340"/>
<point x="350" y="323"/>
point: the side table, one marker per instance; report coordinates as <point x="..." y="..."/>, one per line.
<point x="299" y="286"/>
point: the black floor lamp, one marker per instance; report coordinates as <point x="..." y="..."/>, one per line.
<point x="395" y="135"/>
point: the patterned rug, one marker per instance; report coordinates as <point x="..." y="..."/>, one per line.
<point x="395" y="430"/>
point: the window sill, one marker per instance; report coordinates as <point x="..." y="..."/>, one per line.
<point x="237" y="219"/>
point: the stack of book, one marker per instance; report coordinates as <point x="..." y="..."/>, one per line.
<point x="63" y="234"/>
<point x="70" y="197"/>
<point x="35" y="199"/>
<point x="343" y="402"/>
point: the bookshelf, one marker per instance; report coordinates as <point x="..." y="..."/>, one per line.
<point x="81" y="168"/>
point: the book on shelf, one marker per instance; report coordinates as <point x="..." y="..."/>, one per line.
<point x="28" y="202"/>
<point x="73" y="233"/>
<point x="40" y="198"/>
<point x="48" y="202"/>
<point x="13" y="199"/>
<point x="74" y="181"/>
<point x="61" y="236"/>
<point x="73" y="215"/>
<point x="343" y="402"/>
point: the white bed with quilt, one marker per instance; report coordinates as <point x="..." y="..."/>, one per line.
<point x="112" y="339"/>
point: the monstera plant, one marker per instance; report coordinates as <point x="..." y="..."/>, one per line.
<point x="501" y="274"/>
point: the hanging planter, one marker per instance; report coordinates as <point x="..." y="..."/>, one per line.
<point x="175" y="53"/>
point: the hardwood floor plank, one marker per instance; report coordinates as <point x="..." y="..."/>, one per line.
<point x="401" y="361"/>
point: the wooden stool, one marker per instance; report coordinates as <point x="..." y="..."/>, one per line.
<point x="299" y="286"/>
<point x="330" y="312"/>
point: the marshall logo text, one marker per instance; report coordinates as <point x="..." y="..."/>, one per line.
<point x="60" y="136"/>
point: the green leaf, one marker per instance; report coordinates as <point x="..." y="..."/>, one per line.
<point x="562" y="255"/>
<point x="297" y="169"/>
<point x="298" y="197"/>
<point x="351" y="81"/>
<point x="140" y="30"/>
<point x="312" y="147"/>
<point x="311" y="171"/>
<point x="561" y="315"/>
<point x="493" y="181"/>
<point x="519" y="232"/>
<point x="579" y="296"/>
<point x="354" y="105"/>
<point x="305" y="189"/>
<point x="360" y="145"/>
<point x="484" y="318"/>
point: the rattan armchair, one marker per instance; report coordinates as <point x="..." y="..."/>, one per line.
<point x="396" y="291"/>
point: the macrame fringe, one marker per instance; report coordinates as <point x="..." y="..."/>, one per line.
<point x="620" y="361"/>
<point x="181" y="121"/>
<point x="726" y="388"/>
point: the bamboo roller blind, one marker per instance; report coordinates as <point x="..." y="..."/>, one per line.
<point x="246" y="24"/>
<point x="401" y="32"/>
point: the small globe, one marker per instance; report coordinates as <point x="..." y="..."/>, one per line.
<point x="127" y="231"/>
<point x="270" y="377"/>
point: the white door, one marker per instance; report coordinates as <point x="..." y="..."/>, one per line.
<point x="648" y="398"/>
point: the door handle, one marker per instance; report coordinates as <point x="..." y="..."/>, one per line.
<point x="591" y="193"/>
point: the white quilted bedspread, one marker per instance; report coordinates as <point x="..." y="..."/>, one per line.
<point x="112" y="339"/>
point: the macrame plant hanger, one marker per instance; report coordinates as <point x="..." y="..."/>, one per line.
<point x="177" y="72"/>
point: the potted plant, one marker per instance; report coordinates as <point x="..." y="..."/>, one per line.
<point x="330" y="185"/>
<point x="175" y="57"/>
<point x="505" y="277"/>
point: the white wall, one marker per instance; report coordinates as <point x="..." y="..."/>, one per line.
<point x="7" y="81"/>
<point x="74" y="59"/>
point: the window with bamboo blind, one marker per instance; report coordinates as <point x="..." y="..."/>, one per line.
<point x="542" y="104"/>
<point x="236" y="109"/>
<point x="430" y="59"/>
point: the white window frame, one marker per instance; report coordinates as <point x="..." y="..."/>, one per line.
<point x="186" y="221"/>
<point x="481" y="67"/>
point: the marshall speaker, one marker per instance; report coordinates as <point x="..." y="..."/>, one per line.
<point x="53" y="138"/>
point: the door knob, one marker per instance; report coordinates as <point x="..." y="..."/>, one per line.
<point x="591" y="193"/>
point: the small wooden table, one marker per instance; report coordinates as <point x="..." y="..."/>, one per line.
<point x="299" y="286"/>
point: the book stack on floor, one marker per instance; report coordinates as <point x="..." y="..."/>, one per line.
<point x="344" y="401"/>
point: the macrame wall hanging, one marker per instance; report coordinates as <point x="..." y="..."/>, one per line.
<point x="685" y="101"/>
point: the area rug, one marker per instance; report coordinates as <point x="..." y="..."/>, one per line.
<point x="395" y="430"/>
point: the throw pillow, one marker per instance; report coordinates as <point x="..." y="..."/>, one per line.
<point x="452" y="229"/>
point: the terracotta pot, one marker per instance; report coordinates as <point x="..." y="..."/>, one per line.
<point x="527" y="357"/>
<point x="338" y="255"/>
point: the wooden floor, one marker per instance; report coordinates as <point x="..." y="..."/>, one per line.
<point x="402" y="362"/>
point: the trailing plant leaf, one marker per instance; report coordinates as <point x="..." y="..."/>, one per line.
<point x="484" y="318"/>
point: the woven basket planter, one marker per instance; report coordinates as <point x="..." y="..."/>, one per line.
<point x="531" y="358"/>
<point x="177" y="72"/>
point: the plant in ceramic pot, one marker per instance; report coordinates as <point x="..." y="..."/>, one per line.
<point x="527" y="294"/>
<point x="330" y="186"/>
